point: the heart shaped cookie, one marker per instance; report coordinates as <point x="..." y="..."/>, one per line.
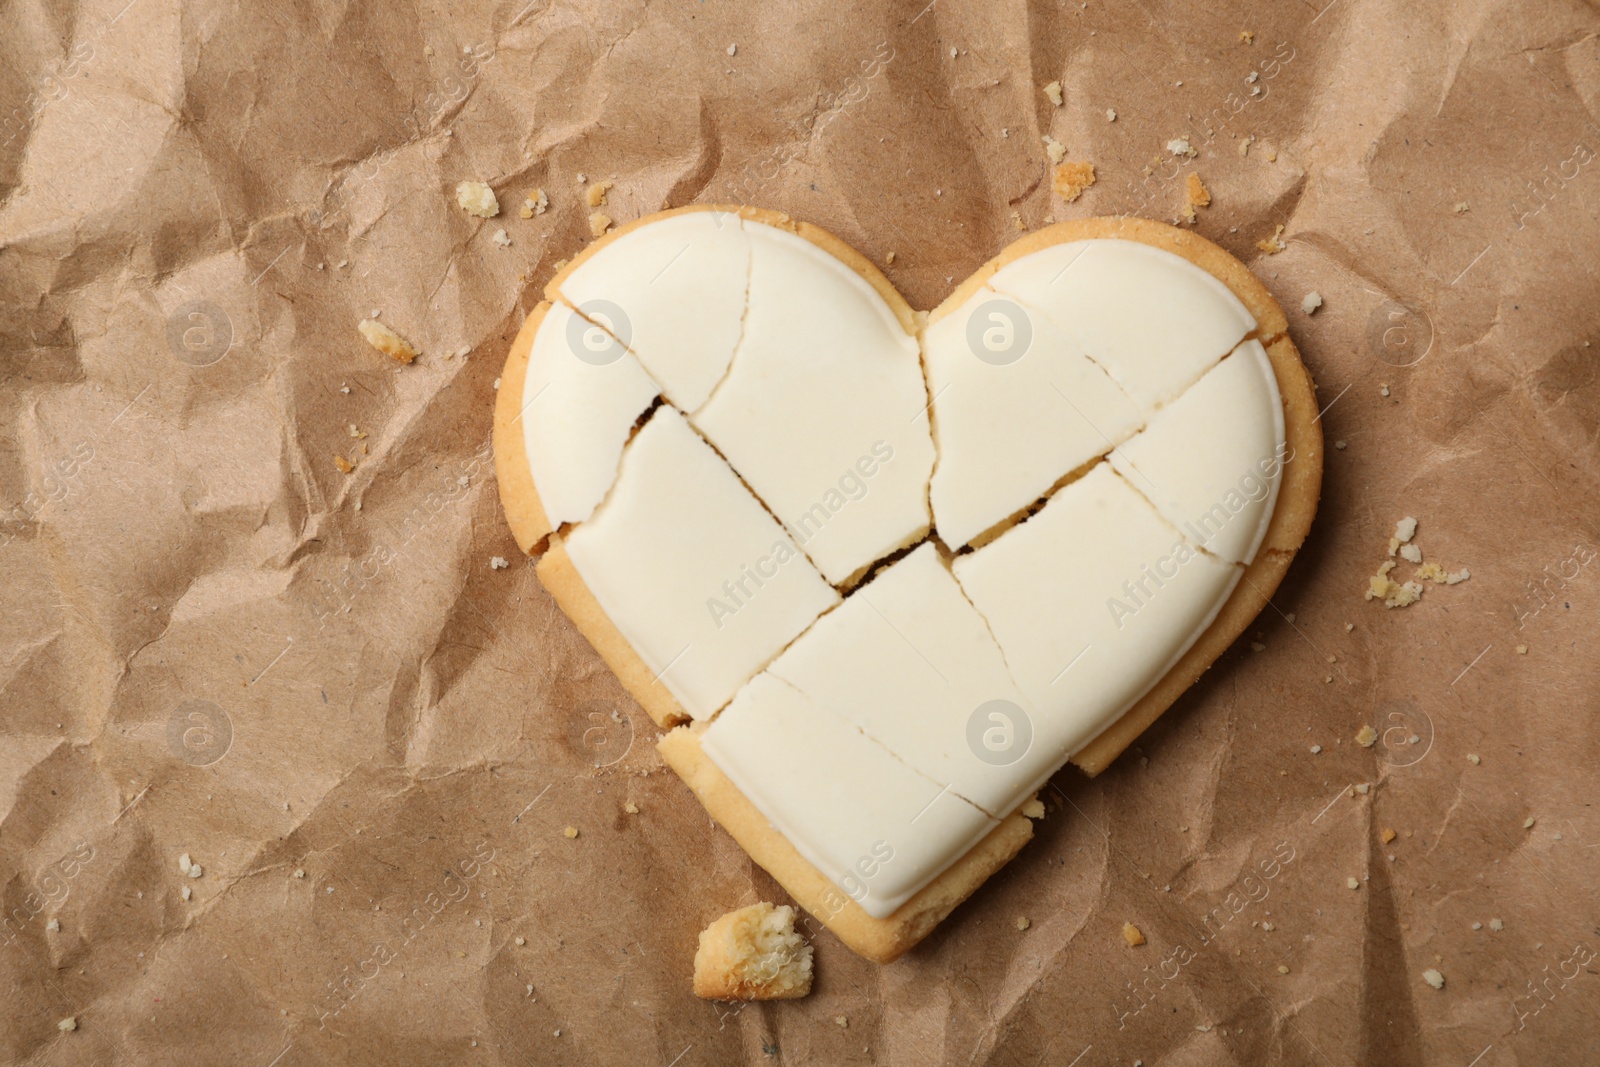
<point x="882" y="571"/>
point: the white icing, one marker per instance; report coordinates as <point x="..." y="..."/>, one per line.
<point x="909" y="661"/>
<point x="857" y="740"/>
<point x="1081" y="644"/>
<point x="1010" y="426"/>
<point x="1151" y="318"/>
<point x="823" y="411"/>
<point x="1211" y="460"/>
<point x="576" y="415"/>
<point x="680" y="285"/>
<point x="692" y="570"/>
<point x="872" y="825"/>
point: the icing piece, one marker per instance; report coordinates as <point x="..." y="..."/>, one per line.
<point x="1017" y="405"/>
<point x="871" y="824"/>
<point x="1152" y="319"/>
<point x="697" y="576"/>
<point x="1211" y="460"/>
<point x="673" y="292"/>
<point x="823" y="412"/>
<point x="1092" y="600"/>
<point x="581" y="396"/>
<point x="909" y="661"/>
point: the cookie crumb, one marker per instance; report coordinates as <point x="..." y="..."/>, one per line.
<point x="1411" y="553"/>
<point x="1527" y="824"/>
<point x="1016" y="220"/>
<point x="476" y="198"/>
<point x="1072" y="179"/>
<point x="1247" y="37"/>
<point x="1111" y="116"/>
<point x="631" y="808"/>
<point x="570" y="832"/>
<point x="1353" y="883"/>
<point x="1474" y="759"/>
<point x="67" y="1025"/>
<point x="889" y="259"/>
<point x="1195" y="195"/>
<point x="386" y="340"/>
<point x="733" y="50"/>
<point x="1272" y="245"/>
<point x="498" y="563"/>
<point x="1433" y="978"/>
<point x="1394" y="594"/>
<point x="1496" y="925"/>
<point x="1244" y="145"/>
<point x="1022" y="922"/>
<point x="1034" y="808"/>
<point x="595" y="195"/>
<point x="54" y="926"/>
<point x="1316" y="750"/>
<point x="1053" y="92"/>
<point x="299" y="872"/>
<point x="519" y="941"/>
<point x="185" y="893"/>
<point x="1312" y="301"/>
<point x="599" y="223"/>
<point x="1180" y="146"/>
<point x="1364" y="788"/>
<point x="841" y="1022"/>
<point x="344" y="465"/>
<point x="1054" y="149"/>
<point x="1383" y="389"/>
<point x="1131" y="934"/>
<point x="1282" y="969"/>
<point x="1268" y="927"/>
<point x="1366" y="737"/>
<point x="753" y="953"/>
<point x="1463" y="207"/>
<point x="1522" y="650"/>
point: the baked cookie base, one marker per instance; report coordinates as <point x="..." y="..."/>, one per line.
<point x="885" y="939"/>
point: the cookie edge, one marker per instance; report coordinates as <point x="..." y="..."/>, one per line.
<point x="879" y="940"/>
<point x="560" y="577"/>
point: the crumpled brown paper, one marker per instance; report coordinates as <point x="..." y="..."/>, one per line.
<point x="372" y="739"/>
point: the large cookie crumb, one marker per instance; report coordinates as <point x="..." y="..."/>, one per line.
<point x="753" y="954"/>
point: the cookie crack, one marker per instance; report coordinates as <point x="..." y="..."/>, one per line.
<point x="944" y="787"/>
<point x="1183" y="535"/>
<point x="744" y="318"/>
